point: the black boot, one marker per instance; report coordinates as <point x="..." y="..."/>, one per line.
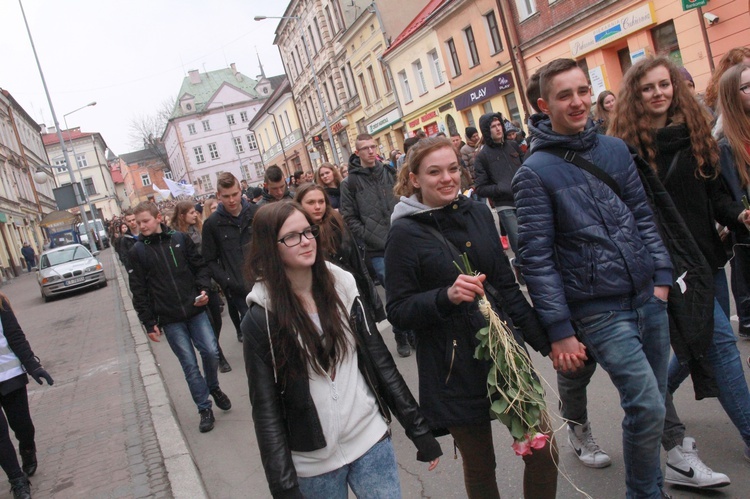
<point x="402" y="343"/>
<point x="224" y="366"/>
<point x="28" y="461"/>
<point x="21" y="488"/>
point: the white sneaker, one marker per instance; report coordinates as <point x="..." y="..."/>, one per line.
<point x="586" y="448"/>
<point x="684" y="467"/>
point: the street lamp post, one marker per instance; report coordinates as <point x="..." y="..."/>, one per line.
<point x="54" y="119"/>
<point x="92" y="235"/>
<point x="315" y="80"/>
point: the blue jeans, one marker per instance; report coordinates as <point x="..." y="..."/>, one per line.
<point x="509" y="220"/>
<point x="374" y="475"/>
<point x="182" y="336"/>
<point x="724" y="357"/>
<point x="632" y="346"/>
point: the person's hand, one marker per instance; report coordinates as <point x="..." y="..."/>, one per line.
<point x="745" y="218"/>
<point x="203" y="301"/>
<point x="40" y="373"/>
<point x="466" y="288"/>
<point x="568" y="354"/>
<point x="154" y="334"/>
<point x="433" y="464"/>
<point x="662" y="292"/>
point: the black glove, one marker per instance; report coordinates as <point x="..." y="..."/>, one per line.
<point x="40" y="373"/>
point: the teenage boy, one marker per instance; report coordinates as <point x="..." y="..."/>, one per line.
<point x="595" y="266"/>
<point x="170" y="280"/>
<point x="127" y="241"/>
<point x="274" y="186"/>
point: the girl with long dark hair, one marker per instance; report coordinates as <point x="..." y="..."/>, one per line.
<point x="322" y="382"/>
<point x="329" y="178"/>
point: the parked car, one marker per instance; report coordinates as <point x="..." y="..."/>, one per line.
<point x="68" y="268"/>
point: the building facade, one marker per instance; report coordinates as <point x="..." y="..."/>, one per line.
<point x="88" y="151"/>
<point x="207" y="133"/>
<point x="23" y="199"/>
<point x="142" y="170"/>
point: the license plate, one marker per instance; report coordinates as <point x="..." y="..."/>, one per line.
<point x="74" y="281"/>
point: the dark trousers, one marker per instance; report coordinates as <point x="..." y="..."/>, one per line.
<point x="16" y="409"/>
<point x="478" y="454"/>
<point x="740" y="265"/>
<point x="237" y="308"/>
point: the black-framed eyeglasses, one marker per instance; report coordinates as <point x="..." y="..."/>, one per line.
<point x="294" y="238"/>
<point x="745" y="89"/>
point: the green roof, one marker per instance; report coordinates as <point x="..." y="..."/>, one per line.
<point x="209" y="84"/>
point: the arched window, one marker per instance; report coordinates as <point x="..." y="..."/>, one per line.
<point x="451" y="123"/>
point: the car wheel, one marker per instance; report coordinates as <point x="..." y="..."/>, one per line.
<point x="46" y="298"/>
<point x="104" y="284"/>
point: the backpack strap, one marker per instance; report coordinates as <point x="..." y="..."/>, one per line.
<point x="584" y="164"/>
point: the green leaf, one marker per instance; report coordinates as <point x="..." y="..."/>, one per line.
<point x="517" y="428"/>
<point x="492" y="377"/>
<point x="499" y="406"/>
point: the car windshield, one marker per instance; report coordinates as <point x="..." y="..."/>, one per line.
<point x="64" y="256"/>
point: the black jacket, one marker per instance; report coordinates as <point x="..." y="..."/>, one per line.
<point x="267" y="198"/>
<point x="124" y="244"/>
<point x="495" y="165"/>
<point x="420" y="269"/>
<point x="284" y="412"/>
<point x="225" y="240"/>
<point x="367" y="201"/>
<point x="167" y="274"/>
<point x="20" y="348"/>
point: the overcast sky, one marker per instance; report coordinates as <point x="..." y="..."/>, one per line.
<point x="128" y="56"/>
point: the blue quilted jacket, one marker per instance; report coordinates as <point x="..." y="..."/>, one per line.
<point x="585" y="250"/>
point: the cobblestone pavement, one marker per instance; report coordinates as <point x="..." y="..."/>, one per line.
<point x="94" y="431"/>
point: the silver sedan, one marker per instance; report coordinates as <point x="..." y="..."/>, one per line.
<point x="68" y="268"/>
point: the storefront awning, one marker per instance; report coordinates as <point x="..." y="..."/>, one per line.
<point x="58" y="218"/>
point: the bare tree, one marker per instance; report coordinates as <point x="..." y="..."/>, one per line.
<point x="146" y="130"/>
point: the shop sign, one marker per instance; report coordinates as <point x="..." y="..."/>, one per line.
<point x="484" y="91"/>
<point x="413" y="123"/>
<point x="596" y="75"/>
<point x="429" y="116"/>
<point x="637" y="55"/>
<point x="445" y="107"/>
<point x="624" y="25"/>
<point x="383" y="121"/>
<point x="693" y="4"/>
<point x="337" y="127"/>
<point x="3" y="218"/>
<point x="317" y="140"/>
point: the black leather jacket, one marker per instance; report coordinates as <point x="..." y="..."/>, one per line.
<point x="285" y="415"/>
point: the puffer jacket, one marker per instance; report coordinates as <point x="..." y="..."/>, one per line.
<point x="367" y="201"/>
<point x="165" y="278"/>
<point x="225" y="240"/>
<point x="495" y="165"/>
<point x="283" y="410"/>
<point x="420" y="269"/>
<point x="585" y="250"/>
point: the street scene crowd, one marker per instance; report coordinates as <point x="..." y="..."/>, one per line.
<point x="620" y="219"/>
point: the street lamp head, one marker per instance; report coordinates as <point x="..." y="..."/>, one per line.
<point x="40" y="176"/>
<point x="259" y="18"/>
<point x="93" y="103"/>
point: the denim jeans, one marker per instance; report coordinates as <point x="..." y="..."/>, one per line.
<point x="373" y="475"/>
<point x="632" y="346"/>
<point x="509" y="220"/>
<point x="182" y="336"/>
<point x="734" y="396"/>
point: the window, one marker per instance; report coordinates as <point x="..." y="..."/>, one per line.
<point x="88" y="183"/>
<point x="525" y="8"/>
<point x="512" y="105"/>
<point x="205" y="181"/>
<point x="238" y="145"/>
<point x="61" y="165"/>
<point x="333" y="91"/>
<point x="206" y="125"/>
<point x="81" y="161"/>
<point x="288" y="123"/>
<point x="386" y="78"/>
<point x="375" y="90"/>
<point x="405" y="86"/>
<point x="437" y="73"/>
<point x="469" y="118"/>
<point x="191" y="129"/>
<point x="259" y="170"/>
<point x="296" y="63"/>
<point x="251" y="144"/>
<point x="364" y="88"/>
<point x="327" y="99"/>
<point x="331" y="26"/>
<point x="351" y="75"/>
<point x="665" y="42"/>
<point x="419" y="76"/>
<point x="486" y="107"/>
<point x="623" y="55"/>
<point x="471" y="46"/>
<point x="198" y="151"/>
<point x="317" y="30"/>
<point x="230" y="119"/>
<point x="245" y="172"/>
<point x="213" y="151"/>
<point x="312" y="40"/>
<point x="491" y="21"/>
<point x="243" y="116"/>
<point x="299" y="56"/>
<point x="145" y="179"/>
<point x="168" y="175"/>
<point x="456" y="69"/>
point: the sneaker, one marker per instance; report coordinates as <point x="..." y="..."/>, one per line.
<point x="224" y="366"/>
<point x="21" y="488"/>
<point x="586" y="448"/>
<point x="207" y="420"/>
<point x="221" y="400"/>
<point x="504" y="242"/>
<point x="684" y="467"/>
<point x="403" y="349"/>
<point x="743" y="332"/>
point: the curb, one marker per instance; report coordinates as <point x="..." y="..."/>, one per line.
<point x="184" y="478"/>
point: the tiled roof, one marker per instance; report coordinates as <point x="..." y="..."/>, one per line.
<point x="209" y="84"/>
<point x="72" y="134"/>
<point x="416" y="23"/>
<point x="142" y="155"/>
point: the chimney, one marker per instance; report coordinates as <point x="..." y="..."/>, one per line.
<point x="194" y="76"/>
<point x="44" y="128"/>
<point x="234" y="68"/>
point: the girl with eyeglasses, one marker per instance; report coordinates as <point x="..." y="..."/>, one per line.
<point x="322" y="382"/>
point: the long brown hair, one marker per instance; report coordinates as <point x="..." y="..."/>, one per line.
<point x="318" y="351"/>
<point x="209" y="206"/>
<point x="178" y="221"/>
<point x="736" y="122"/>
<point x="602" y="113"/>
<point x="332" y="233"/>
<point x="417" y="152"/>
<point x="336" y="175"/>
<point x="731" y="58"/>
<point x="632" y="123"/>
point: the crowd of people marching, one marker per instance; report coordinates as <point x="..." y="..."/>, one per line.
<point x="620" y="221"/>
